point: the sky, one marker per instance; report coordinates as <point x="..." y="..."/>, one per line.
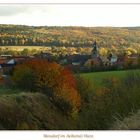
<point x="89" y="15"/>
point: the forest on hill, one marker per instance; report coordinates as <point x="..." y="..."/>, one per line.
<point x="20" y="35"/>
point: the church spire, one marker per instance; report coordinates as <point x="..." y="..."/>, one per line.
<point x="95" y="45"/>
<point x="95" y="50"/>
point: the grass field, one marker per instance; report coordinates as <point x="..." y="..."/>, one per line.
<point x="97" y="77"/>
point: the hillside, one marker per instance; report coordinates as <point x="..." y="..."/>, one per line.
<point x="13" y="35"/>
<point x="33" y="111"/>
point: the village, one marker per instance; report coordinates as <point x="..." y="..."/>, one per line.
<point x="76" y="62"/>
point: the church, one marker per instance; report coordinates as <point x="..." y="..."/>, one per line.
<point x="95" y="59"/>
<point x="95" y="52"/>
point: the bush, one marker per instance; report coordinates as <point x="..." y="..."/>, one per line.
<point x="115" y="98"/>
<point x="132" y="79"/>
<point x="50" y="78"/>
<point x="85" y="89"/>
<point x="24" y="78"/>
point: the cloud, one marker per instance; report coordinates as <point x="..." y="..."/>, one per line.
<point x="10" y="10"/>
<point x="13" y="10"/>
<point x="70" y="15"/>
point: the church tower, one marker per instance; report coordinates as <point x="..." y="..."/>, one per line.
<point x="94" y="53"/>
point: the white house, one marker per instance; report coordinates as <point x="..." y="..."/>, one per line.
<point x="113" y="59"/>
<point x="12" y="61"/>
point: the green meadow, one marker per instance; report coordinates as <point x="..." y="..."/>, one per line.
<point x="97" y="77"/>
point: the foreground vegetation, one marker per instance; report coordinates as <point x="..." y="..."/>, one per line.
<point x="50" y="97"/>
<point x="114" y="99"/>
<point x="132" y="122"/>
<point x="30" y="111"/>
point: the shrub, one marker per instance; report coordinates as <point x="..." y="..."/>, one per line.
<point x="24" y="78"/>
<point x="115" y="98"/>
<point x="68" y="100"/>
<point x="50" y="78"/>
<point x="85" y="89"/>
<point x="132" y="78"/>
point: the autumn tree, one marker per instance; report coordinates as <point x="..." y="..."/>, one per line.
<point x="25" y="52"/>
<point x="50" y="78"/>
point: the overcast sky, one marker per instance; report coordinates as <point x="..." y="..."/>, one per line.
<point x="71" y="15"/>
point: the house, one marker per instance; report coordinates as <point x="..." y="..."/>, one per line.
<point x="12" y="62"/>
<point x="76" y="63"/>
<point x="113" y="59"/>
<point x="6" y="68"/>
<point x="120" y="62"/>
<point x="1" y="70"/>
<point x="19" y="59"/>
<point x="7" y="64"/>
<point x="128" y="61"/>
<point x="77" y="59"/>
<point x="88" y="63"/>
<point x="105" y="61"/>
<point x="63" y="61"/>
<point x="5" y="56"/>
<point x="44" y="55"/>
<point x="3" y="61"/>
<point x="132" y="60"/>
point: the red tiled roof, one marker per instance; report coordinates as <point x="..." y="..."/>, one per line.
<point x="16" y="59"/>
<point x="2" y="61"/>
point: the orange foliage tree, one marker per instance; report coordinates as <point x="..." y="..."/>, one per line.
<point x="51" y="79"/>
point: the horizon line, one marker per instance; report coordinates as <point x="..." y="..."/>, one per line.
<point x="108" y="26"/>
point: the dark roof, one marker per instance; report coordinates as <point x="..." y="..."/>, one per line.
<point x="7" y="65"/>
<point x="78" y="58"/>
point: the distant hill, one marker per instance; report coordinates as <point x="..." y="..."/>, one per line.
<point x="19" y="35"/>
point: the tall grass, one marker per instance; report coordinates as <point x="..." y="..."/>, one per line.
<point x="118" y="98"/>
<point x="132" y="122"/>
<point x="31" y="111"/>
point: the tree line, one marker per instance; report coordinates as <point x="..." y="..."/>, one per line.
<point x="18" y="35"/>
